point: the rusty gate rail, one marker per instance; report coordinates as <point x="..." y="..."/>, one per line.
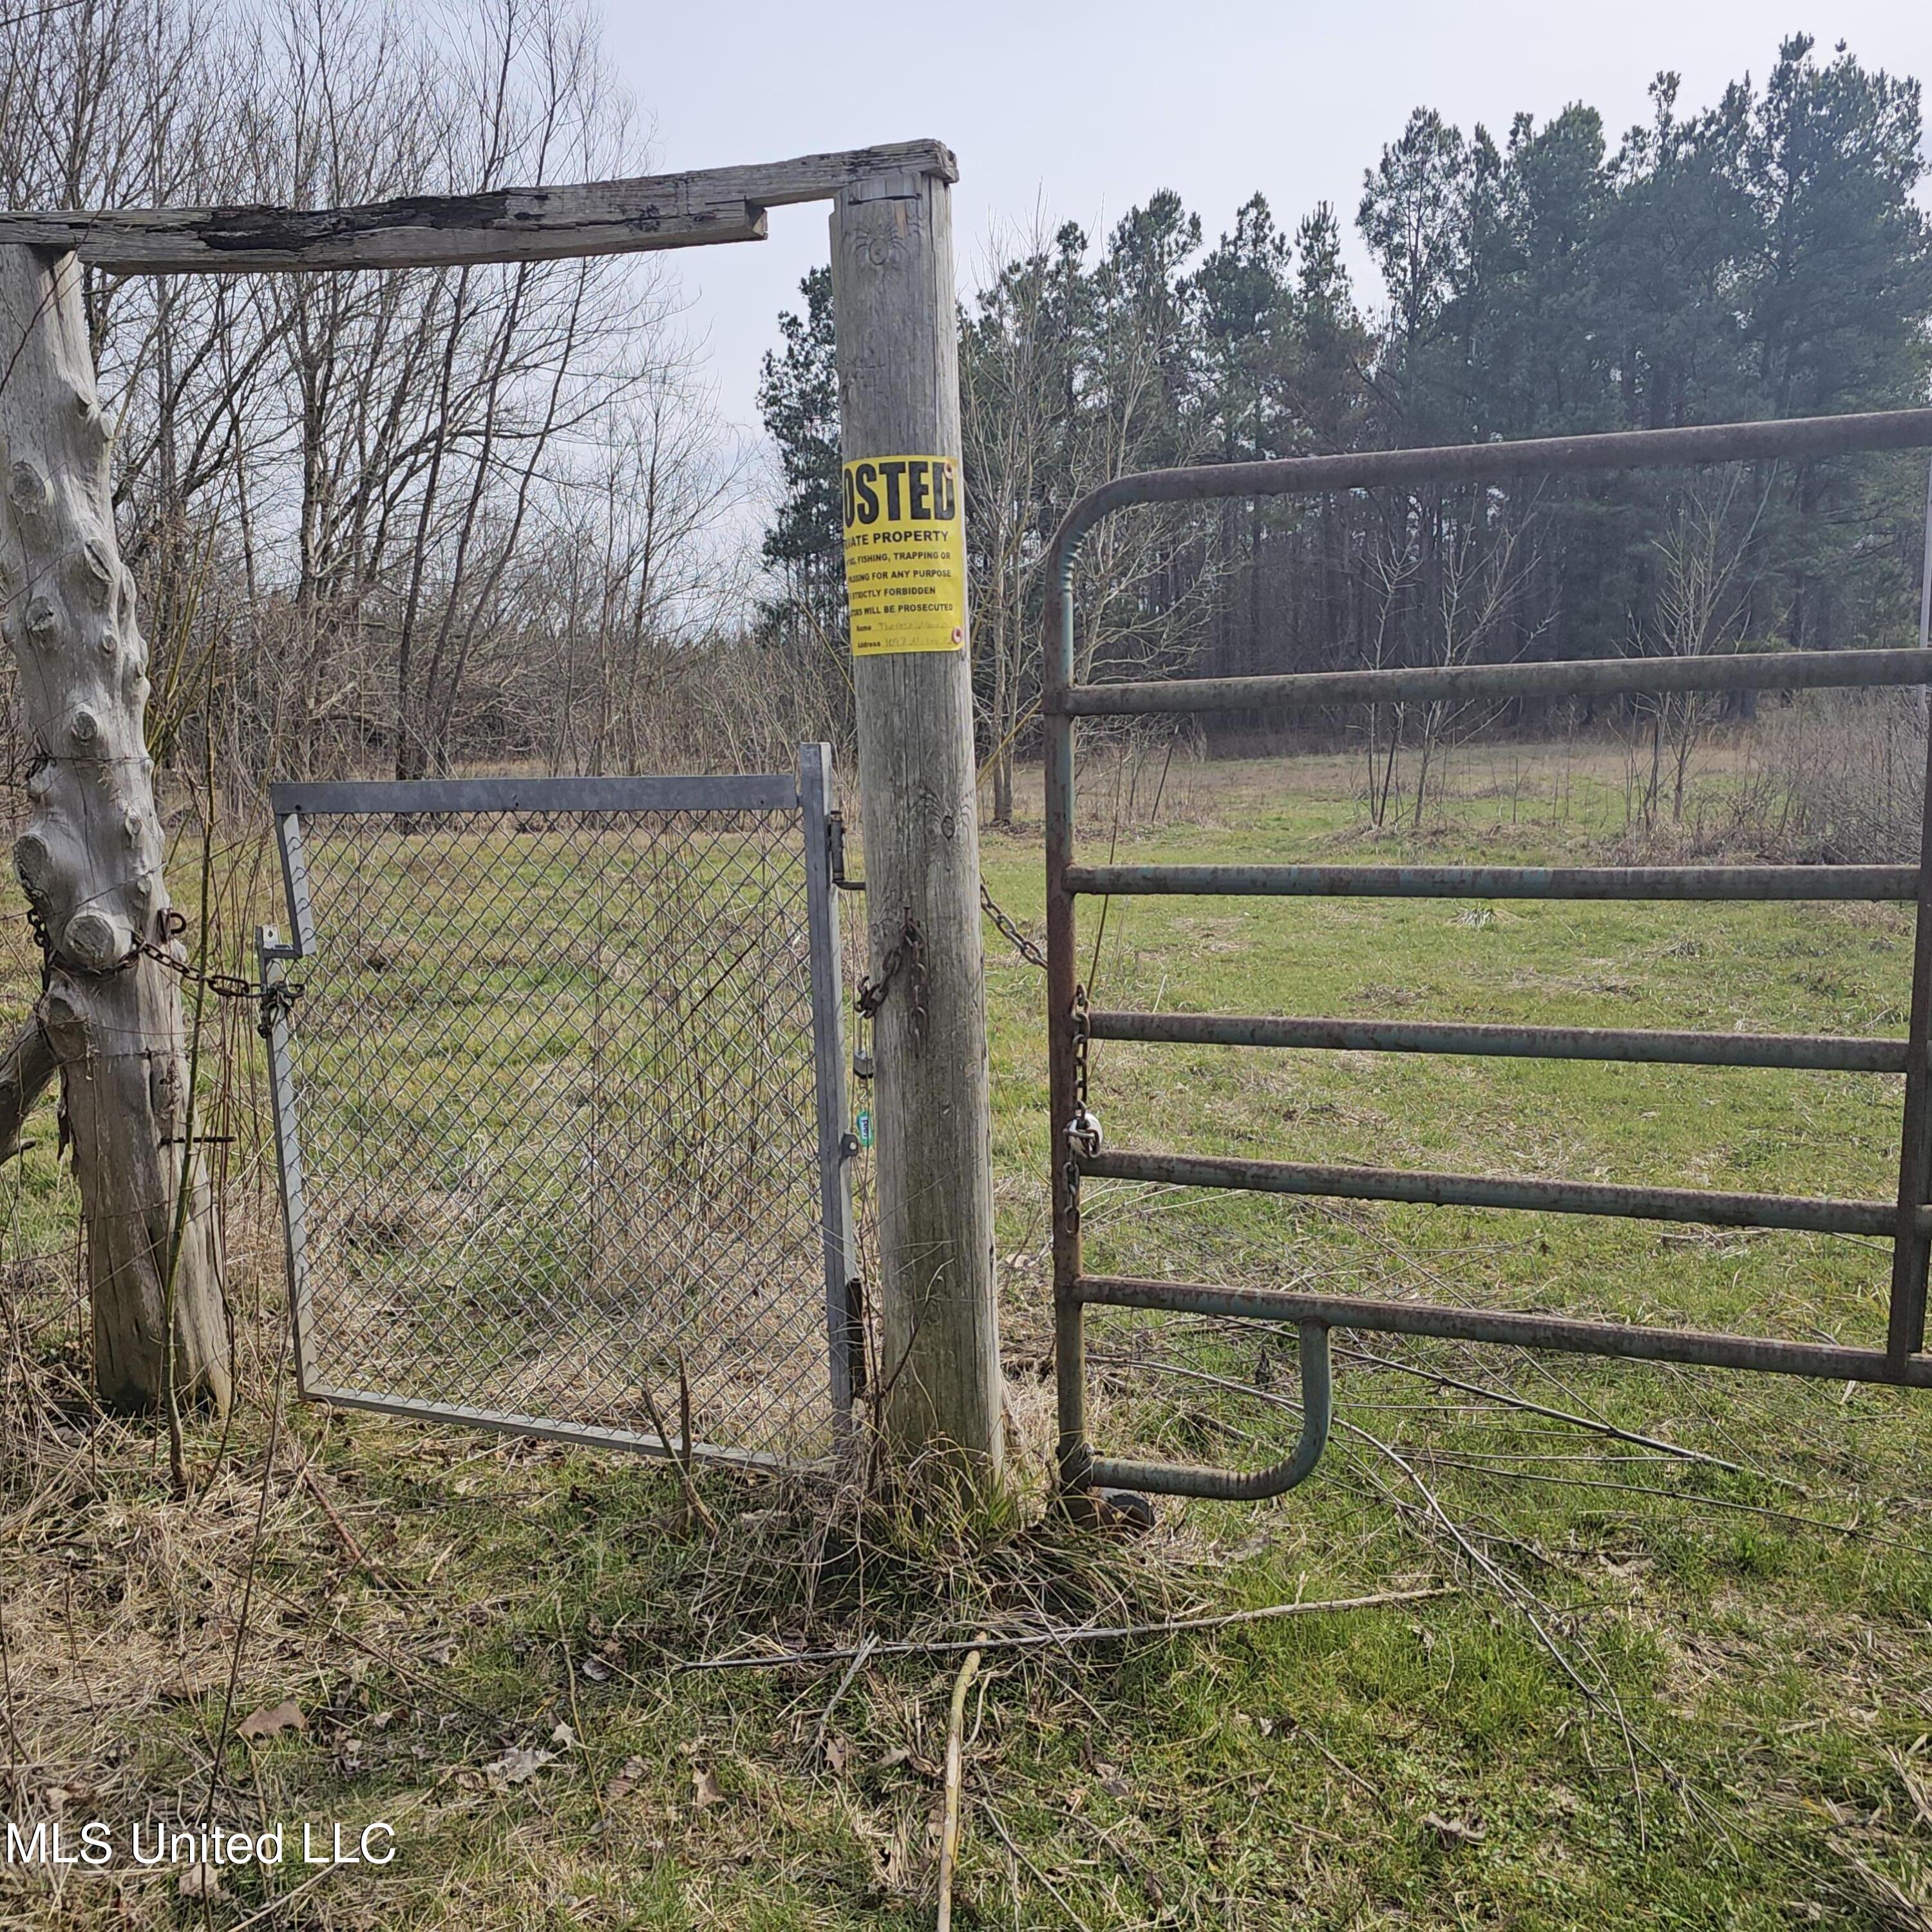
<point x="1906" y="1220"/>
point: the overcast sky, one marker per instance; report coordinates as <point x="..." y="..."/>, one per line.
<point x="1087" y="109"/>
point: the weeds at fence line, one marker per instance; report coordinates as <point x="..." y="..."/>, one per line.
<point x="1771" y="1655"/>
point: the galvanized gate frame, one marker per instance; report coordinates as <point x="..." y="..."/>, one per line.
<point x="810" y="793"/>
<point x="1077" y="1152"/>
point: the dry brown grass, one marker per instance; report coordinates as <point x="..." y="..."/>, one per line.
<point x="434" y="1601"/>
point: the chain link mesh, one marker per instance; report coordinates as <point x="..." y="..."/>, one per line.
<point x="553" y="1074"/>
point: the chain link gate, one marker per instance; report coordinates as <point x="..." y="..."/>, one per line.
<point x="560" y="1107"/>
<point x="1078" y="1152"/>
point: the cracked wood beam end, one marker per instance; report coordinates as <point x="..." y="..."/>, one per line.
<point x="518" y="224"/>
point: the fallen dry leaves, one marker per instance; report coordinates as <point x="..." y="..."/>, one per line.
<point x="272" y="1720"/>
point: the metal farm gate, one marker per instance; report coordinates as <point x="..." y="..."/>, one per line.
<point x="560" y="1098"/>
<point x="1078" y="1152"/>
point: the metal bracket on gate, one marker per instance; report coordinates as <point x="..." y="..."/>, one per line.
<point x="835" y="837"/>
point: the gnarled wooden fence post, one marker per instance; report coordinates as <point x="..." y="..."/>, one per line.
<point x="90" y="860"/>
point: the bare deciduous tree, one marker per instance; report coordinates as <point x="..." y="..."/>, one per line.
<point x="342" y="497"/>
<point x="1702" y="605"/>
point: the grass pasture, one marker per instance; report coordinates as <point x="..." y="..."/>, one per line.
<point x="1673" y="1669"/>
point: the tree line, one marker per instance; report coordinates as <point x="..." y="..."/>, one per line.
<point x="1762" y="257"/>
<point x="400" y="521"/>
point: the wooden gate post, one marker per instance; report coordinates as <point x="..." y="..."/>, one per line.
<point x="898" y="384"/>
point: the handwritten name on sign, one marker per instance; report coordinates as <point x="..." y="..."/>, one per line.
<point x="905" y="555"/>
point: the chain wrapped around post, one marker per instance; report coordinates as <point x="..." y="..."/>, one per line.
<point x="274" y="1000"/>
<point x="907" y="954"/>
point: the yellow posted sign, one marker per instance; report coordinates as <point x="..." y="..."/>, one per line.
<point x="905" y="555"/>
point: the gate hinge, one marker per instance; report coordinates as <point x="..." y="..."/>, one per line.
<point x="835" y="839"/>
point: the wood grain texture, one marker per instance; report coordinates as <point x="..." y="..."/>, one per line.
<point x="899" y="380"/>
<point x="27" y="1070"/>
<point x="518" y="224"/>
<point x="90" y="856"/>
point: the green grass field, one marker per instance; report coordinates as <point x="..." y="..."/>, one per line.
<point x="1651" y="1687"/>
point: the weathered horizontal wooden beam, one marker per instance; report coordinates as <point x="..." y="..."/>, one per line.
<point x="517" y="224"/>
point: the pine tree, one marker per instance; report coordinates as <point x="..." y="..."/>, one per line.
<point x="1836" y="287"/>
<point x="1765" y="257"/>
<point x="798" y="400"/>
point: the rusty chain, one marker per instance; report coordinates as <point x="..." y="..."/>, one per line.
<point x="1026" y="948"/>
<point x="223" y="985"/>
<point x="907" y="954"/>
<point x="275" y="1001"/>
<point x="1082" y="1016"/>
<point x="1082" y="1133"/>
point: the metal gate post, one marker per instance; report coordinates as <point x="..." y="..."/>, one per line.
<point x="272" y="960"/>
<point x="1905" y="1330"/>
